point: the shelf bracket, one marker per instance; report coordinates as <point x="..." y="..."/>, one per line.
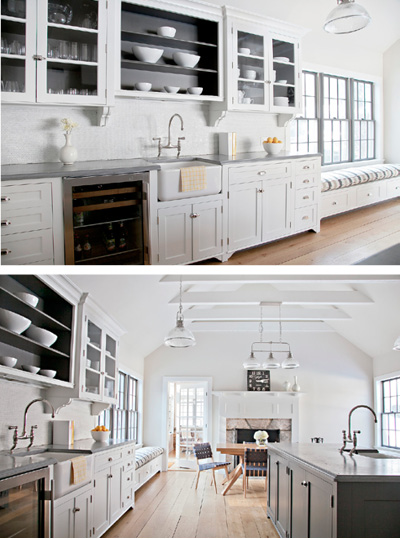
<point x="103" y="115"/>
<point x="98" y="407"/>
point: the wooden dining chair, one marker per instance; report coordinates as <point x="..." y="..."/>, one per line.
<point x="255" y="464"/>
<point x="203" y="452"/>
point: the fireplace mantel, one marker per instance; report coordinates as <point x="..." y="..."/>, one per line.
<point x="251" y="394"/>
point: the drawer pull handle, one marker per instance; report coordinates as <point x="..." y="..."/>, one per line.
<point x="306" y="167"/>
<point x="261" y="173"/>
<point x="306" y="197"/>
<point x="76" y="510"/>
<point x="5" y="222"/>
<point x="305" y="218"/>
<point x="306" y="181"/>
<point x="260" y="190"/>
<point x="194" y="215"/>
<point x="6" y="252"/>
<point x="5" y="199"/>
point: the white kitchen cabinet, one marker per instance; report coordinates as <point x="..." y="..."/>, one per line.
<point x="55" y="53"/>
<point x="73" y="517"/>
<point x="244" y="215"/>
<point x="31" y="222"/>
<point x="189" y="232"/>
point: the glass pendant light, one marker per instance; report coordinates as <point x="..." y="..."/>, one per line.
<point x="251" y="362"/>
<point x="271" y="363"/>
<point x="290" y="362"/>
<point x="179" y="336"/>
<point x="346" y="17"/>
<point x="396" y="345"/>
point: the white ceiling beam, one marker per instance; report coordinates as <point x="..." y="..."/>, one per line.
<point x="250" y="312"/>
<point x="269" y="327"/>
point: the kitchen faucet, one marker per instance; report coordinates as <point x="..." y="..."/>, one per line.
<point x="347" y="437"/>
<point x="24" y="435"/>
<point x="169" y="144"/>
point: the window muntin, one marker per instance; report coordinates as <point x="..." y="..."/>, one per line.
<point x="304" y="131"/>
<point x="390" y="427"/>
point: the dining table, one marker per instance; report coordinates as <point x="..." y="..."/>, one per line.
<point x="237" y="450"/>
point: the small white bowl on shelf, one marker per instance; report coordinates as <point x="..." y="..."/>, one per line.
<point x="281" y="101"/>
<point x="281" y="81"/>
<point x="30" y="368"/>
<point x="100" y="436"/>
<point x="48" y="372"/>
<point x="172" y="89"/>
<point x="273" y="148"/>
<point x="244" y="50"/>
<point x="166" y="31"/>
<point x="28" y="298"/>
<point x="250" y="74"/>
<point x="195" y="90"/>
<point x="13" y="321"/>
<point x="147" y="54"/>
<point x="185" y="59"/>
<point x="40" y="335"/>
<point x="8" y="361"/>
<point x="143" y="86"/>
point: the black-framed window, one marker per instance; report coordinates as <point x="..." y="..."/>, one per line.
<point x="338" y="114"/>
<point x="390" y="428"/>
<point x="122" y="419"/>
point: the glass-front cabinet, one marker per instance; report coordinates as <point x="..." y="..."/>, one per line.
<point x="54" y="52"/>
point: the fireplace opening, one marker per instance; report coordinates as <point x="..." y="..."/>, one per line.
<point x="247" y="435"/>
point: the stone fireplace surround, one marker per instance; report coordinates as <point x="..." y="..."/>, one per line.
<point x="283" y="425"/>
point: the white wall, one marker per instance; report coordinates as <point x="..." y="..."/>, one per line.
<point x="386" y="363"/>
<point x="391" y="93"/>
<point x="334" y="376"/>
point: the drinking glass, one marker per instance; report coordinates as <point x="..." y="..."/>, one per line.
<point x="15" y="47"/>
<point x="4" y="46"/>
<point x="64" y="50"/>
<point x="85" y="52"/>
<point x="74" y="51"/>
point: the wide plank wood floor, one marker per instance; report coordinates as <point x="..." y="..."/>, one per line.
<point x="343" y="240"/>
<point x="169" y="506"/>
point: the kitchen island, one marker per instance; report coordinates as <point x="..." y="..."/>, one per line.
<point x="314" y="491"/>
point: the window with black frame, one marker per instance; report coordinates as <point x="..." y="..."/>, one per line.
<point x="337" y="120"/>
<point x="122" y="419"/>
<point x="391" y="413"/>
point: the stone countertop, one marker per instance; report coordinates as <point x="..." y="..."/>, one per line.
<point x="36" y="171"/>
<point x="20" y="462"/>
<point x="326" y="458"/>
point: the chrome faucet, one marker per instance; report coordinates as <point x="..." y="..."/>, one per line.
<point x="24" y="435"/>
<point x="347" y="436"/>
<point x="169" y="143"/>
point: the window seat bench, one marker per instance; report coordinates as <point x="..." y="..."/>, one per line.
<point x="148" y="463"/>
<point x="351" y="188"/>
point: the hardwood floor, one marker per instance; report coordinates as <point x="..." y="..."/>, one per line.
<point x="169" y="506"/>
<point x="343" y="240"/>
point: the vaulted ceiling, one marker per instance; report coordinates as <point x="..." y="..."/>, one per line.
<point x="364" y="309"/>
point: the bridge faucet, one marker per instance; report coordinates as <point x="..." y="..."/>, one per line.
<point x="347" y="437"/>
<point x="24" y="435"/>
<point x="169" y="143"/>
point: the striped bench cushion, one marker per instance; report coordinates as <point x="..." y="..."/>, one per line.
<point x="352" y="176"/>
<point x="146" y="454"/>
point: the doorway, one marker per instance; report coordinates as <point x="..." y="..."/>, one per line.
<point x="188" y="421"/>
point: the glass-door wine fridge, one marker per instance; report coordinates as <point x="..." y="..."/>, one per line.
<point x="105" y="219"/>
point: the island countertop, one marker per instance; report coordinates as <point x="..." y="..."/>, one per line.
<point x="326" y="459"/>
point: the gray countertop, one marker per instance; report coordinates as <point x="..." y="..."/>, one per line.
<point x="126" y="166"/>
<point x="326" y="458"/>
<point x="21" y="462"/>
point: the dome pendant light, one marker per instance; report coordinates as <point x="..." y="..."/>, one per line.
<point x="346" y="17"/>
<point x="179" y="336"/>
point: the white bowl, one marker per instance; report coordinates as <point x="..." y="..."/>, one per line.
<point x="143" y="86"/>
<point x="100" y="436"/>
<point x="172" y="89"/>
<point x="250" y="74"/>
<point x="166" y="31"/>
<point x="244" y="50"/>
<point x="13" y="321"/>
<point x="48" y="372"/>
<point x="281" y="101"/>
<point x="184" y="59"/>
<point x="8" y="361"/>
<point x="281" y="81"/>
<point x="273" y="148"/>
<point x="30" y="368"/>
<point x="40" y="335"/>
<point x="147" y="54"/>
<point x="195" y="90"/>
<point x="28" y="298"/>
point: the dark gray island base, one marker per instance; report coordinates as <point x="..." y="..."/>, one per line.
<point x="314" y="491"/>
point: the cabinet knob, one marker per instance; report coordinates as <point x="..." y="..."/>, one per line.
<point x="5" y="252"/>
<point x="261" y="173"/>
<point x="38" y="57"/>
<point x="334" y="203"/>
<point x="369" y="195"/>
<point x="109" y="476"/>
<point x="76" y="510"/>
<point x="5" y="222"/>
<point x="260" y="190"/>
<point x="306" y="167"/>
<point x="304" y="483"/>
<point x="110" y="459"/>
<point x="305" y="218"/>
<point x="306" y="181"/>
<point x="306" y="197"/>
<point x="5" y="199"/>
<point x="194" y="215"/>
<point x="128" y="478"/>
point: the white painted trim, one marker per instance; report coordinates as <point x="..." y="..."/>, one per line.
<point x="378" y="409"/>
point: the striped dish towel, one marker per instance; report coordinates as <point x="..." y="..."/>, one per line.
<point x="78" y="470"/>
<point x="193" y="178"/>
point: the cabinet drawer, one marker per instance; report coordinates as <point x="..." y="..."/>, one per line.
<point x="129" y="465"/>
<point x="305" y="218"/>
<point x="128" y="452"/>
<point x="241" y="174"/>
<point x="25" y="220"/>
<point x="127" y="480"/>
<point x="393" y="188"/>
<point x="27" y="247"/>
<point x="306" y="197"/>
<point x="23" y="196"/>
<point x="338" y="201"/>
<point x="127" y="497"/>
<point x="368" y="194"/>
<point x="305" y="166"/>
<point x="106" y="459"/>
<point x="307" y="180"/>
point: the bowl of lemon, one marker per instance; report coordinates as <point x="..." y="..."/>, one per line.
<point x="272" y="145"/>
<point x="100" y="433"/>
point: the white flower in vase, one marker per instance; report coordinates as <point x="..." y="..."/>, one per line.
<point x="68" y="153"/>
<point x="261" y="437"/>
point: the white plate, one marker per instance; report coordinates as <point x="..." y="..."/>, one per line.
<point x="281" y="59"/>
<point x="283" y="81"/>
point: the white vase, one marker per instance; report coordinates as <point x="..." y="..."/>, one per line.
<point x="296" y="386"/>
<point x="261" y="443"/>
<point x="68" y="153"/>
<point x="286" y="385"/>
